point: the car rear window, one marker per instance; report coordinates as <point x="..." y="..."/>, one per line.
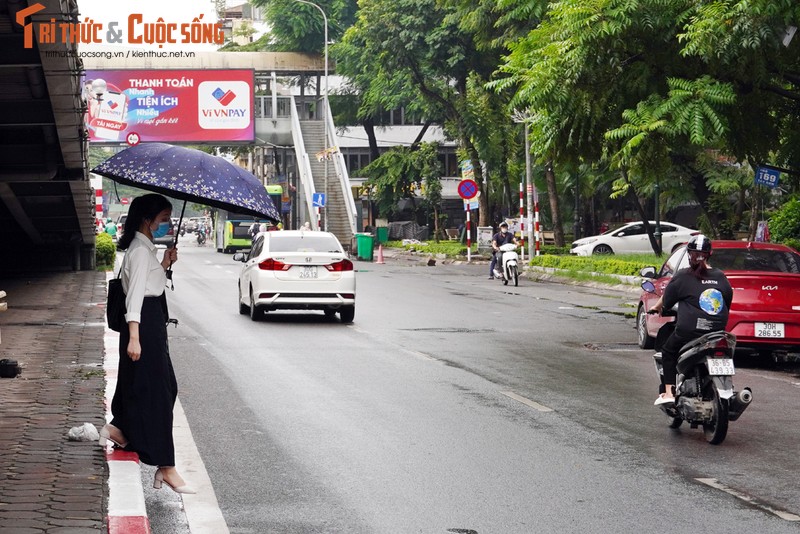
<point x="776" y="261"/>
<point x="307" y="243"/>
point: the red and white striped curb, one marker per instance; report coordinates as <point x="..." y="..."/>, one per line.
<point x="127" y="513"/>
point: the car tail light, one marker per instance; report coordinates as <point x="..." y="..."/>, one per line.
<point x="339" y="266"/>
<point x="273" y="265"/>
<point x="266" y="295"/>
<point x="348" y="296"/>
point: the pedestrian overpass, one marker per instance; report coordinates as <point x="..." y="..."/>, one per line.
<point x="282" y="119"/>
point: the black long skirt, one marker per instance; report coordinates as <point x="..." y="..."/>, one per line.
<point x="147" y="389"/>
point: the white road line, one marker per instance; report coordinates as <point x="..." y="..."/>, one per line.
<point x="202" y="509"/>
<point x="420" y="355"/>
<point x="526" y="402"/>
<point x="713" y="483"/>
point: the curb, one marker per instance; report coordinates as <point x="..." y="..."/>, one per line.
<point x="127" y="513"/>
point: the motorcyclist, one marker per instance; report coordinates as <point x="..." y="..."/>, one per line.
<point x="705" y="295"/>
<point x="503" y="237"/>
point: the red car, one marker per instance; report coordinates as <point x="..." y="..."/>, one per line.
<point x="765" y="312"/>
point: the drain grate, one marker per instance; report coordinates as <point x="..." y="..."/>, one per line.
<point x="620" y="347"/>
<point x="451" y="330"/>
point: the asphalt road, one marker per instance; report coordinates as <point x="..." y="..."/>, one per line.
<point x="457" y="404"/>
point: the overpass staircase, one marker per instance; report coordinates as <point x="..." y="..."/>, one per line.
<point x="339" y="214"/>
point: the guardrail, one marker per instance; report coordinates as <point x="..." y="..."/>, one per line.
<point x="341" y="173"/>
<point x="303" y="165"/>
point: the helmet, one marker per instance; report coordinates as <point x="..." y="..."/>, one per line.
<point x="699" y="243"/>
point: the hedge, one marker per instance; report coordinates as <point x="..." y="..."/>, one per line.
<point x="607" y="265"/>
<point x="105" y="251"/>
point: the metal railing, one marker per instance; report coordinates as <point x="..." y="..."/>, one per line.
<point x="303" y="164"/>
<point x="341" y="173"/>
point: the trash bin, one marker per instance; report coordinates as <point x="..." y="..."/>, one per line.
<point x="382" y="234"/>
<point x="365" y="243"/>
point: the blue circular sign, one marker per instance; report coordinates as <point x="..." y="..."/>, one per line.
<point x="467" y="189"/>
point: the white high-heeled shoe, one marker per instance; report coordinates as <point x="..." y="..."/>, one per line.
<point x="159" y="479"/>
<point x="105" y="436"/>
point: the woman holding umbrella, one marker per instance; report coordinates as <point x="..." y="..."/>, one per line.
<point x="146" y="387"/>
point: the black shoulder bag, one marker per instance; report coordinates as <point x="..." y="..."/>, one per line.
<point x="115" y="305"/>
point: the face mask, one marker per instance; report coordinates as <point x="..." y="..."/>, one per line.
<point x="162" y="230"/>
<point x="504" y="230"/>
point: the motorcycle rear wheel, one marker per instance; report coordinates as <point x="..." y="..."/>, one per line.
<point x="717" y="429"/>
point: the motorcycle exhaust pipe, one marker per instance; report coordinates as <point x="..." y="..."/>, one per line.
<point x="739" y="403"/>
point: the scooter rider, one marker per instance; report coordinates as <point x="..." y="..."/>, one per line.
<point x="498" y="240"/>
<point x="705" y="295"/>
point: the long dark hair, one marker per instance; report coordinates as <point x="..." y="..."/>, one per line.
<point x="143" y="208"/>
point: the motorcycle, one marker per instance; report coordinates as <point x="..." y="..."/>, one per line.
<point x="508" y="269"/>
<point x="704" y="391"/>
<point x="201" y="237"/>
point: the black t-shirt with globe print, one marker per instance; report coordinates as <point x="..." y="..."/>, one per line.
<point x="704" y="302"/>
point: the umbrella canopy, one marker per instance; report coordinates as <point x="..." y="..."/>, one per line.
<point x="190" y="175"/>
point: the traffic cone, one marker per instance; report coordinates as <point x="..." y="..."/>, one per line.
<point x="380" y="255"/>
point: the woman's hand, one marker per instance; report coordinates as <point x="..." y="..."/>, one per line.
<point x="134" y="349"/>
<point x="170" y="257"/>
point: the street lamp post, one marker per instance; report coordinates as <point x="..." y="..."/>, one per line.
<point x="324" y="107"/>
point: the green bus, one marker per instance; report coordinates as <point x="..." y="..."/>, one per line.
<point x="232" y="230"/>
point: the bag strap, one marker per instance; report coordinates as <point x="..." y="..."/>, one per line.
<point x="121" y="266"/>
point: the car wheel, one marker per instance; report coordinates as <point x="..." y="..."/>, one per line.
<point x="243" y="308"/>
<point x="645" y="341"/>
<point x="255" y="312"/>
<point x="347" y="313"/>
<point x="330" y="313"/>
<point x="602" y="249"/>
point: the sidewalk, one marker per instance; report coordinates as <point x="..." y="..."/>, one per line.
<point x="54" y="328"/>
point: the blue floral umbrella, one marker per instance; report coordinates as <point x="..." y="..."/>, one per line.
<point x="190" y="175"/>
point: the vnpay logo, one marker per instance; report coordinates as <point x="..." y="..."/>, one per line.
<point x="223" y="105"/>
<point x="223" y="97"/>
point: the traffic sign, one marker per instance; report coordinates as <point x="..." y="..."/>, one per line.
<point x="318" y="200"/>
<point x="467" y="189"/>
<point x="133" y="139"/>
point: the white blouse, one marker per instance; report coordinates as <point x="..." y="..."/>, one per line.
<point x="142" y="276"/>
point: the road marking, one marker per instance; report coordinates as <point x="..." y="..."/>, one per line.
<point x="202" y="509"/>
<point x="713" y="483"/>
<point x="526" y="402"/>
<point x="420" y="355"/>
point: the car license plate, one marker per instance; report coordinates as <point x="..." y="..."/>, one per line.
<point x="720" y="366"/>
<point x="309" y="271"/>
<point x="774" y="330"/>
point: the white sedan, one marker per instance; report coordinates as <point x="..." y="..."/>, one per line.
<point x="306" y="270"/>
<point x="632" y="238"/>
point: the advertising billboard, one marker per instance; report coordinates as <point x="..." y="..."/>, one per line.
<point x="170" y="106"/>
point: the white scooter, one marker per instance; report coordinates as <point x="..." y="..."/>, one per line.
<point x="508" y="264"/>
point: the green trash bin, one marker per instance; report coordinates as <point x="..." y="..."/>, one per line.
<point x="383" y="234"/>
<point x="365" y="242"/>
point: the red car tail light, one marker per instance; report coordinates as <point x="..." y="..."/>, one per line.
<point x="273" y="265"/>
<point x="348" y="296"/>
<point x="339" y="266"/>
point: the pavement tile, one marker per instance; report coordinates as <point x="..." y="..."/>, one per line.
<point x="47" y="483"/>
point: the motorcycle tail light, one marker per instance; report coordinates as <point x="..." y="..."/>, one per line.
<point x="273" y="265"/>
<point x="719" y="354"/>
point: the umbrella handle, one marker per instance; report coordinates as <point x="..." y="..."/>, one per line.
<point x="175" y="245"/>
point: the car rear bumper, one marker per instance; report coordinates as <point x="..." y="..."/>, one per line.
<point x="304" y="301"/>
<point x="745" y="332"/>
